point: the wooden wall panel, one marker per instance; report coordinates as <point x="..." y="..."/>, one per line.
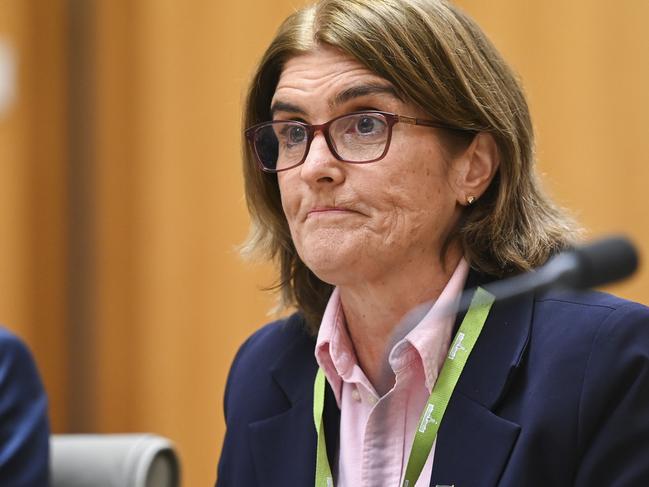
<point x="14" y="176"/>
<point x="116" y="191"/>
<point x="47" y="201"/>
<point x="33" y="141"/>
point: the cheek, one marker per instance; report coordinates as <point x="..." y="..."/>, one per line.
<point x="288" y="194"/>
<point x="427" y="177"/>
<point x="416" y="199"/>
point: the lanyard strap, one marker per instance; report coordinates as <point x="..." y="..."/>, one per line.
<point x="323" y="477"/>
<point x="433" y="412"/>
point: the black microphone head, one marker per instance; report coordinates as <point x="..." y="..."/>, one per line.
<point x="605" y="261"/>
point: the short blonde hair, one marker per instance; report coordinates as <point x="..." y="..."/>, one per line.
<point x="440" y="60"/>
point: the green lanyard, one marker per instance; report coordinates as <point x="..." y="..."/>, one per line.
<point x="433" y="413"/>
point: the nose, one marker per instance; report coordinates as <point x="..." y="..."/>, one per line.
<point x="320" y="165"/>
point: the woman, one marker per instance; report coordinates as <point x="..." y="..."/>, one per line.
<point x="389" y="164"/>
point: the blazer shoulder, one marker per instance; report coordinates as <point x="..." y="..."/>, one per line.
<point x="588" y="298"/>
<point x="18" y="368"/>
<point x="24" y="427"/>
<point x="588" y="311"/>
<point x="271" y="342"/>
<point x="280" y="347"/>
<point x="11" y="347"/>
<point x="613" y="425"/>
<point x="574" y="333"/>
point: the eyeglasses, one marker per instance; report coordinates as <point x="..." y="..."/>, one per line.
<point x="357" y="138"/>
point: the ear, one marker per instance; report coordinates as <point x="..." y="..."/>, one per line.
<point x="475" y="168"/>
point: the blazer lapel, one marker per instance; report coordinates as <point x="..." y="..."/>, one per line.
<point x="474" y="443"/>
<point x="284" y="446"/>
<point x="473" y="447"/>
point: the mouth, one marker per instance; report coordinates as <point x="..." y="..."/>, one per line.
<point x="329" y="210"/>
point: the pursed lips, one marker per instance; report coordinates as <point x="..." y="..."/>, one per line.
<point x="328" y="210"/>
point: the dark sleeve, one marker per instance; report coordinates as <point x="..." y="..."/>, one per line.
<point x="222" y="476"/>
<point x="613" y="429"/>
<point x="24" y="428"/>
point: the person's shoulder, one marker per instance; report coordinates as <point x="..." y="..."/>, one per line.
<point x="273" y="340"/>
<point x="589" y="299"/>
<point x="281" y="331"/>
<point x="599" y="344"/>
<point x="278" y="348"/>
<point x="10" y="344"/>
<point x="24" y="435"/>
<point x="16" y="360"/>
<point x="277" y="345"/>
<point x="589" y="305"/>
<point x="581" y="314"/>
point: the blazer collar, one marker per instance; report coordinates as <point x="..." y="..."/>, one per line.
<point x="474" y="443"/>
<point x="500" y="349"/>
<point x="284" y="445"/>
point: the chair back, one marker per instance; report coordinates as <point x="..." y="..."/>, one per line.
<point x="116" y="460"/>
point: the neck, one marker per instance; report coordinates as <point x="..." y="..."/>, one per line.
<point x="373" y="311"/>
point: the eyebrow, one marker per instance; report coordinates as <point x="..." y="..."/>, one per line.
<point x="341" y="98"/>
<point x="364" y="90"/>
<point x="282" y="106"/>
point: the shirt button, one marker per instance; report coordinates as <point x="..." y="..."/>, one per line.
<point x="356" y="396"/>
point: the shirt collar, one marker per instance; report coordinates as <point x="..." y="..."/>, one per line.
<point x="429" y="339"/>
<point x="334" y="350"/>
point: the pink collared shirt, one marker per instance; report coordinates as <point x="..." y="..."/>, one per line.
<point x="376" y="433"/>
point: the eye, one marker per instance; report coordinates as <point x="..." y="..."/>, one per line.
<point x="295" y="134"/>
<point x="366" y="125"/>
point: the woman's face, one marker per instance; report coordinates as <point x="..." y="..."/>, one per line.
<point x="353" y="223"/>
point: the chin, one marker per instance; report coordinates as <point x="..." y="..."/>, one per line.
<point x="332" y="254"/>
<point x="332" y="266"/>
<point x="329" y="272"/>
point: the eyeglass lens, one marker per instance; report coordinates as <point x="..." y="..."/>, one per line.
<point x="358" y="137"/>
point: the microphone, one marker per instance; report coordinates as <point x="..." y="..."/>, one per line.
<point x="594" y="264"/>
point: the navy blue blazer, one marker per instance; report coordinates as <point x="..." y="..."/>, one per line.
<point x="555" y="393"/>
<point x="24" y="428"/>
